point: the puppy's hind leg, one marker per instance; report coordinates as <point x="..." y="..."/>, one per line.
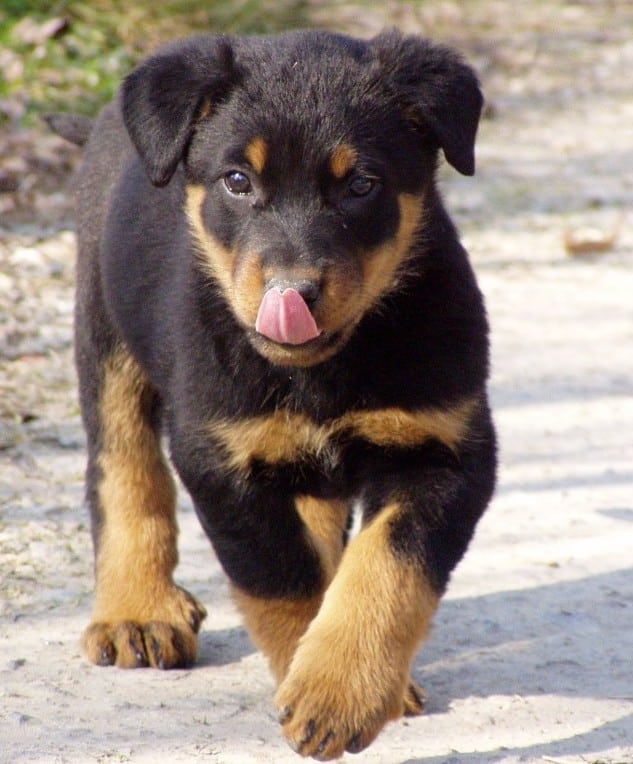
<point x="277" y="624"/>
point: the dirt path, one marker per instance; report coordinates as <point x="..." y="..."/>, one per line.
<point x="530" y="658"/>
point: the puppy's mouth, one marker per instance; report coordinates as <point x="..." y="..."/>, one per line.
<point x="287" y="334"/>
<point x="309" y="353"/>
<point x="285" y="318"/>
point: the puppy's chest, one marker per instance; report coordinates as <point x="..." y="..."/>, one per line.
<point x="284" y="437"/>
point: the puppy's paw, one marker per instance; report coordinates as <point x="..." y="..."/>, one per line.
<point x="163" y="637"/>
<point x="414" y="699"/>
<point x="329" y="704"/>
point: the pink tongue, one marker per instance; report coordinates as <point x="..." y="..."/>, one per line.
<point x="284" y="317"/>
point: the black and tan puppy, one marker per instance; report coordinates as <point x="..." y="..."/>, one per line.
<point x="267" y="276"/>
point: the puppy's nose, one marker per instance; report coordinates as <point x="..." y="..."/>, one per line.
<point x="309" y="289"/>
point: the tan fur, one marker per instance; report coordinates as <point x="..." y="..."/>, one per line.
<point x="205" y="109"/>
<point x="342" y="161"/>
<point x="279" y="437"/>
<point x="348" y="296"/>
<point x="397" y="427"/>
<point x="347" y="292"/>
<point x="136" y="552"/>
<point x="256" y="152"/>
<point x="382" y="267"/>
<point x="275" y="625"/>
<point x="137" y="544"/>
<point x="240" y="277"/>
<point x="327" y="523"/>
<point x="284" y="436"/>
<point x="249" y="287"/>
<point x="216" y="259"/>
<point x="350" y="672"/>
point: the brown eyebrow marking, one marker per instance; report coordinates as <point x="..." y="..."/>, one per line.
<point x="342" y="160"/>
<point x="256" y="152"/>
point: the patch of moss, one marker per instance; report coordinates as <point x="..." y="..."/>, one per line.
<point x="79" y="66"/>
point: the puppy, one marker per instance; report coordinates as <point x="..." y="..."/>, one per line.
<point x="268" y="277"/>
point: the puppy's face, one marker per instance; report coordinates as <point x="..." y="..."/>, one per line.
<point x="304" y="209"/>
<point x="306" y="184"/>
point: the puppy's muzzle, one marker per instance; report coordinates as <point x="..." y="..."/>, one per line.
<point x="284" y="314"/>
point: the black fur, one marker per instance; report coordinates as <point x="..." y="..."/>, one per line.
<point x="182" y="119"/>
<point x="425" y="347"/>
<point x="73" y="127"/>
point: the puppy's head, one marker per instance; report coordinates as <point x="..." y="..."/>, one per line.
<point x="308" y="158"/>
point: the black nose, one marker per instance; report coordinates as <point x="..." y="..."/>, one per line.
<point x="307" y="288"/>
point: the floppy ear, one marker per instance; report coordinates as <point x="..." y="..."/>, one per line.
<point x="438" y="91"/>
<point x="162" y="98"/>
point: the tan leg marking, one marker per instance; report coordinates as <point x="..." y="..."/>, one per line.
<point x="350" y="673"/>
<point x="327" y="523"/>
<point x="140" y="616"/>
<point x="275" y="625"/>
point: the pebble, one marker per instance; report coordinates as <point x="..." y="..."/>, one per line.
<point x="6" y="283"/>
<point x="19" y="718"/>
<point x="28" y="257"/>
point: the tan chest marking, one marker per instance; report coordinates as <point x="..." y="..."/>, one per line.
<point x="284" y="437"/>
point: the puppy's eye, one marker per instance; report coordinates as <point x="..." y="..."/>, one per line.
<point x="238" y="183"/>
<point x="361" y="185"/>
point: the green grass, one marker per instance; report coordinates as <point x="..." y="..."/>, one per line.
<point x="81" y="68"/>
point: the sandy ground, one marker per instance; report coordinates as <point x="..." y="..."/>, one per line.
<point x="530" y="659"/>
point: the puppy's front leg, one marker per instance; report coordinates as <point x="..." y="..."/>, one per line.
<point x="140" y="617"/>
<point x="350" y="673"/>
